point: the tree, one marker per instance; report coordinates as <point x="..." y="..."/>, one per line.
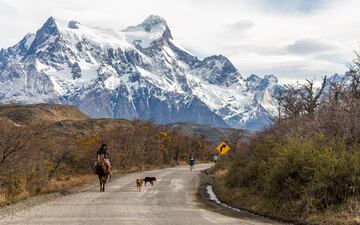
<point x="354" y="71"/>
<point x="234" y="139"/>
<point x="14" y="141"/>
<point x="289" y="102"/>
<point x="311" y="96"/>
<point x="337" y="91"/>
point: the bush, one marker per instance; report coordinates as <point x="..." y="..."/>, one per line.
<point x="14" y="185"/>
<point x="316" y="173"/>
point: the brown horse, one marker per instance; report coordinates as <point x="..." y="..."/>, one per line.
<point x="103" y="174"/>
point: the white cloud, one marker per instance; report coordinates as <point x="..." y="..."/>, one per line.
<point x="311" y="46"/>
<point x="240" y="25"/>
<point x="289" y="38"/>
<point x="293" y="6"/>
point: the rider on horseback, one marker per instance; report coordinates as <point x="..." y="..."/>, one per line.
<point x="103" y="156"/>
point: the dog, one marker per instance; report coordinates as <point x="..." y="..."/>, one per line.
<point x="139" y="183"/>
<point x="149" y="179"/>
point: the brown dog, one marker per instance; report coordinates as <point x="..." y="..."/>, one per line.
<point x="139" y="183"/>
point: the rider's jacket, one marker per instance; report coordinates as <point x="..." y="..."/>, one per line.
<point x="103" y="152"/>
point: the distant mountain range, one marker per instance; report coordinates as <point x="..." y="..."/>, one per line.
<point x="139" y="72"/>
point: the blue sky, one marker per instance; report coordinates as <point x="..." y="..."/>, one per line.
<point x="293" y="39"/>
<point x="305" y="6"/>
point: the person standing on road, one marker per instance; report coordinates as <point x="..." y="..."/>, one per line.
<point x="216" y="158"/>
<point x="191" y="162"/>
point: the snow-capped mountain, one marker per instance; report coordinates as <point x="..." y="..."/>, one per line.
<point x="138" y="72"/>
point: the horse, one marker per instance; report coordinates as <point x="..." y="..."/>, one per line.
<point x="103" y="174"/>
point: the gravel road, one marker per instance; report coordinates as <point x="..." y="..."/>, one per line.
<point x="172" y="200"/>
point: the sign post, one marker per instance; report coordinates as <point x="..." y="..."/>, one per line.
<point x="223" y="148"/>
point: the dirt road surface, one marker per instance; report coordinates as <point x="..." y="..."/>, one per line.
<point x="172" y="200"/>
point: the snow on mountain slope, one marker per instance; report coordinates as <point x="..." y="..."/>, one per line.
<point x="138" y="72"/>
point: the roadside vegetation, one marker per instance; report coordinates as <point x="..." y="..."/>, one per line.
<point x="47" y="155"/>
<point x="306" y="167"/>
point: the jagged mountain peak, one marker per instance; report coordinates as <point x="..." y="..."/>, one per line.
<point x="271" y="78"/>
<point x="53" y="22"/>
<point x="154" y="20"/>
<point x="218" y="60"/>
<point x="50" y="26"/>
<point x="218" y="69"/>
<point x="48" y="33"/>
<point x="151" y="30"/>
<point x="255" y="83"/>
<point x="140" y="72"/>
<point x="21" y="47"/>
<point x="50" y="22"/>
<point x="217" y="57"/>
<point x="27" y="46"/>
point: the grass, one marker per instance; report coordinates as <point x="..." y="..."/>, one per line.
<point x="244" y="198"/>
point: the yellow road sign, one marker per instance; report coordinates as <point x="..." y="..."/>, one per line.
<point x="223" y="148"/>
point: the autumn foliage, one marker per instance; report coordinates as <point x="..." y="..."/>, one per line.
<point x="306" y="167"/>
<point x="51" y="155"/>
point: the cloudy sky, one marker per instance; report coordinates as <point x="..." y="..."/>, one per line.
<point x="292" y="39"/>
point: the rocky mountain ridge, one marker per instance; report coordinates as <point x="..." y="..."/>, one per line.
<point x="137" y="72"/>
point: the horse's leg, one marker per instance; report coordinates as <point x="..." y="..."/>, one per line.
<point x="104" y="184"/>
<point x="100" y="185"/>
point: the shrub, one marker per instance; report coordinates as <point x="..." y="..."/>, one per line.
<point x="314" y="172"/>
<point x="14" y="184"/>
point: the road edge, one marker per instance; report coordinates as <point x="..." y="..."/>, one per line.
<point x="206" y="178"/>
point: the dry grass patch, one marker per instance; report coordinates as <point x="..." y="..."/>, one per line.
<point x="55" y="185"/>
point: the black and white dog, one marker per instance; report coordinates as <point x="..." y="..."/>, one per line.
<point x="149" y="179"/>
